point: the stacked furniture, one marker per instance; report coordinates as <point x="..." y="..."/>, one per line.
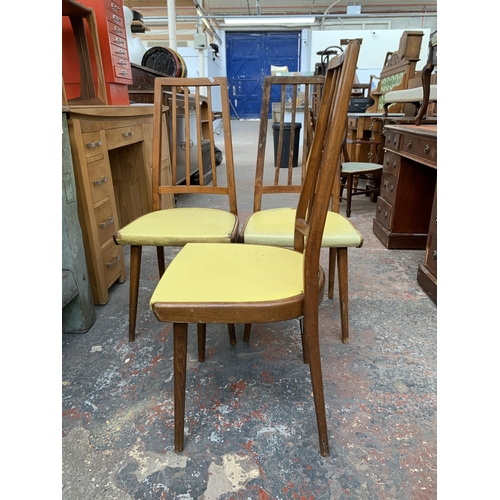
<point x="421" y="96"/>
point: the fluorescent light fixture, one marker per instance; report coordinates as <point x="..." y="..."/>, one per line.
<point x="267" y="20"/>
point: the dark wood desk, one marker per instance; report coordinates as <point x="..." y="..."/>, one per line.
<point x="407" y="186"/>
<point x="406" y="213"/>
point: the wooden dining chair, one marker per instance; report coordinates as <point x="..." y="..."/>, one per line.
<point x="245" y="283"/>
<point x="272" y="223"/>
<point x="351" y="172"/>
<point x="193" y="151"/>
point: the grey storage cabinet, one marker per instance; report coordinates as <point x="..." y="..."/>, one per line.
<point x="78" y="313"/>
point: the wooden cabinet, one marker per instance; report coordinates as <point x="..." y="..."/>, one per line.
<point x="112" y="156"/>
<point x="407" y="186"/>
<point x="112" y="37"/>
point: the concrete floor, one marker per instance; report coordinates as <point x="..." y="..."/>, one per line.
<point x="250" y="422"/>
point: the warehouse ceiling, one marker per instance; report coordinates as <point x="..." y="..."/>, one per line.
<point x="222" y="8"/>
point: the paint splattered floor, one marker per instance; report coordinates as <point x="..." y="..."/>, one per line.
<point x="250" y="422"/>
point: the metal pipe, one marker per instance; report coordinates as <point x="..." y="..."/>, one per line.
<point x="161" y="20"/>
<point x="172" y="25"/>
<point x="326" y="13"/>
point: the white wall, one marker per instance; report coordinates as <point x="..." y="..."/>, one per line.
<point x="209" y="67"/>
<point x="373" y="50"/>
<point x="370" y="62"/>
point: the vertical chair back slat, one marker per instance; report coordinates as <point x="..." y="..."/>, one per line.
<point x="199" y="145"/>
<point x="187" y="130"/>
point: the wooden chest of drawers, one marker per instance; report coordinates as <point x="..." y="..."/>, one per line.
<point x="112" y="157"/>
<point x="407" y="186"/>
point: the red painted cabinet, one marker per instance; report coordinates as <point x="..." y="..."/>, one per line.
<point x="114" y="51"/>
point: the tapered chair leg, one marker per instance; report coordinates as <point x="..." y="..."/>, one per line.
<point x="246" y="332"/>
<point x="135" y="272"/>
<point x="343" y="293"/>
<point x="349" y="195"/>
<point x="232" y="334"/>
<point x="160" y="253"/>
<point x="312" y="342"/>
<point x="180" y="360"/>
<point x="202" y="337"/>
<point x="304" y="343"/>
<point x="332" y="253"/>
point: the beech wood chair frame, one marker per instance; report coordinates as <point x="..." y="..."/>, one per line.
<point x="180" y="100"/>
<point x="172" y="304"/>
<point x="289" y="180"/>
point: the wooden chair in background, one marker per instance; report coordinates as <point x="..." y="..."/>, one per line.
<point x="352" y="171"/>
<point x="178" y="226"/>
<point x="272" y="223"/>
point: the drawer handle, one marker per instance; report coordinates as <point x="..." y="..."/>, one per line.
<point x="96" y="144"/>
<point x="128" y="134"/>
<point x="387" y="161"/>
<point x="427" y="148"/>
<point x="385" y="184"/>
<point x="113" y="262"/>
<point x="385" y="215"/>
<point x="394" y="141"/>
<point x="101" y="181"/>
<point x="436" y="221"/>
<point x="119" y="41"/>
<point x="370" y="127"/>
<point x="378" y="209"/>
<point x="434" y="255"/>
<point x="391" y="189"/>
<point x="408" y="144"/>
<point x="118" y="30"/>
<point x="116" y="18"/>
<point x="107" y="223"/>
<point x="124" y="72"/>
<point x="121" y="52"/>
<point x="122" y="62"/>
<point x="394" y="164"/>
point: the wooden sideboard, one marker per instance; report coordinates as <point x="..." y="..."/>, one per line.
<point x="406" y="213"/>
<point x="112" y="157"/>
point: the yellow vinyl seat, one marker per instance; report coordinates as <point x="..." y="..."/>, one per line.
<point x="275" y="226"/>
<point x="179" y="226"/>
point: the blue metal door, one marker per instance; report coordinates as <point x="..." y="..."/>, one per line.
<point x="249" y="59"/>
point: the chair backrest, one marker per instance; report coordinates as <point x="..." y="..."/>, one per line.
<point x="278" y="69"/>
<point x="399" y="67"/>
<point x="323" y="164"/>
<point x="294" y="102"/>
<point x="190" y="118"/>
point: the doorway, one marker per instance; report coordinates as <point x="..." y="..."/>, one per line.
<point x="249" y="60"/>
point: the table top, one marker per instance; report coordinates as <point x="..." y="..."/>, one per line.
<point x="374" y="115"/>
<point x="426" y="130"/>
